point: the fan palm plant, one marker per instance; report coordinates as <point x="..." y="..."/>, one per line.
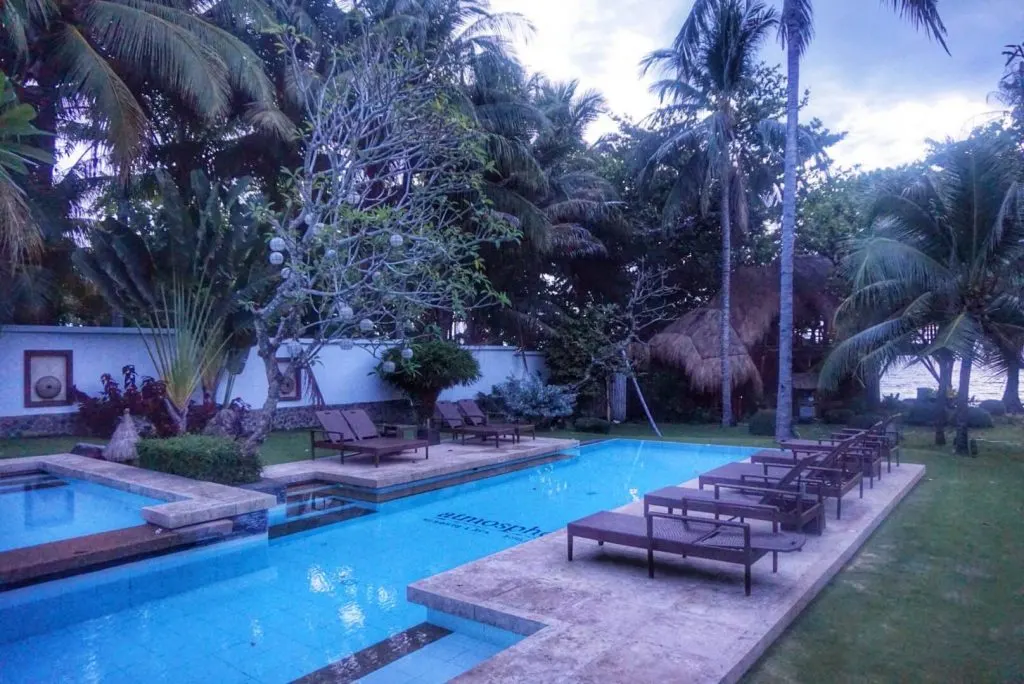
<point x="19" y="235"/>
<point x="76" y="60"/>
<point x="704" y="74"/>
<point x="796" y="30"/>
<point x="944" y="255"/>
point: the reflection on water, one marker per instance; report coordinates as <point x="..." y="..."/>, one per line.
<point x="905" y="381"/>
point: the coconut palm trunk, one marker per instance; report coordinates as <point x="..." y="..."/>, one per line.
<point x="1011" y="395"/>
<point x="963" y="397"/>
<point x="945" y="361"/>
<point x="784" y="403"/>
<point x="726" y="322"/>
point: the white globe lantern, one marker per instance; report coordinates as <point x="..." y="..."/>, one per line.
<point x="346" y="344"/>
<point x="294" y="348"/>
<point x="366" y="325"/>
<point x="277" y="244"/>
<point x="377" y="275"/>
<point x="286" y="273"/>
<point x="396" y="240"/>
<point x="331" y="253"/>
<point x="345" y="312"/>
<point x="407" y="353"/>
<point x="388" y="366"/>
<point x="276" y="258"/>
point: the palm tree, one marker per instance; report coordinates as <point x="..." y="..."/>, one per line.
<point x="705" y="73"/>
<point x="796" y="29"/>
<point x="942" y="264"/>
<point x="85" y="65"/>
<point x="19" y="235"/>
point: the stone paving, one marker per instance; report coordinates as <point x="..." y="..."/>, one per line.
<point x="446" y="458"/>
<point x="190" y="502"/>
<point x="601" y="619"/>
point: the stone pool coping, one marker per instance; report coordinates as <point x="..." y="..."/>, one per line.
<point x="190" y="502"/>
<point x="601" y="619"/>
<point x="446" y="459"/>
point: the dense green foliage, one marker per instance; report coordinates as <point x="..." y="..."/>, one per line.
<point x="762" y="423"/>
<point x="435" y="366"/>
<point x="212" y="459"/>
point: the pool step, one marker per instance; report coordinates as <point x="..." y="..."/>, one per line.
<point x="309" y="505"/>
<point x="29" y="481"/>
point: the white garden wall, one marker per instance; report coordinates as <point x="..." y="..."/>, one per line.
<point x="344" y="376"/>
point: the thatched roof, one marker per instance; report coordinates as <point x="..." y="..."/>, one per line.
<point x="692" y="342"/>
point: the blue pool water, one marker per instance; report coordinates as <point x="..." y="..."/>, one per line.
<point x="274" y="611"/>
<point x="61" y="508"/>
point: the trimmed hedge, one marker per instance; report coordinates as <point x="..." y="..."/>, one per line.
<point x="212" y="459"/>
<point x="994" y="407"/>
<point x="838" y="416"/>
<point x="598" y="425"/>
<point x="762" y="423"/>
<point x="864" y="421"/>
<point x="979" y="418"/>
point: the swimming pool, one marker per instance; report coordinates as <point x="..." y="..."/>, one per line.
<point x="37" y="508"/>
<point x="315" y="597"/>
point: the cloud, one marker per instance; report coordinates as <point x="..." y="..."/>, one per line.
<point x="869" y="73"/>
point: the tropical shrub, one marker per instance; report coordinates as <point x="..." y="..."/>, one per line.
<point x="598" y="425"/>
<point x="530" y="398"/>
<point x="922" y="413"/>
<point x="840" y="416"/>
<point x="435" y="366"/>
<point x="99" y="415"/>
<point x="978" y="418"/>
<point x="212" y="459"/>
<point x="864" y="421"/>
<point x="762" y="423"/>
<point x="994" y="407"/>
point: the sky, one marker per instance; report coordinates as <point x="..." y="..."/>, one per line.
<point x="870" y="74"/>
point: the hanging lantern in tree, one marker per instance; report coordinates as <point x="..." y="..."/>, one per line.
<point x="346" y="343"/>
<point x="396" y="240"/>
<point x="345" y="312"/>
<point x="331" y="253"/>
<point x="388" y="366"/>
<point x="366" y="325"/>
<point x="277" y="244"/>
<point x="286" y="273"/>
<point x="276" y="258"/>
<point x="377" y="275"/>
<point x="407" y="353"/>
<point x="294" y="348"/>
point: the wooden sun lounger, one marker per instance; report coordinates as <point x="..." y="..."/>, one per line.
<point x="791" y="509"/>
<point x="718" y="540"/>
<point x="452" y="421"/>
<point x="832" y="473"/>
<point x="354" y="431"/>
<point x="474" y="416"/>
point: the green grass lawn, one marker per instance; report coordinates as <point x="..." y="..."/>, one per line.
<point x="936" y="595"/>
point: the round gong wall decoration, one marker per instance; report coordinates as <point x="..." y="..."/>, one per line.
<point x="48" y="387"/>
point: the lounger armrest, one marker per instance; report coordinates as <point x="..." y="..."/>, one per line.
<point x="794" y="493"/>
<point x="329" y="435"/>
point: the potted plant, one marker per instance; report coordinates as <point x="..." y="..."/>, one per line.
<point x="425" y="369"/>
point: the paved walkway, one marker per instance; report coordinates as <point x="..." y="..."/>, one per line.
<point x="446" y="458"/>
<point x="601" y="619"/>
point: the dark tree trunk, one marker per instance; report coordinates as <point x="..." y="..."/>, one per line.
<point x="945" y="362"/>
<point x="784" y="400"/>
<point x="963" y="443"/>
<point x="1011" y="396"/>
<point x="726" y="295"/>
<point x="265" y="420"/>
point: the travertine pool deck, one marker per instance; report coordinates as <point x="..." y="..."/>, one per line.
<point x="190" y="502"/>
<point x="601" y="619"/>
<point x="446" y="459"/>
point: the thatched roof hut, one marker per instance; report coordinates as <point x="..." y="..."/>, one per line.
<point x="692" y="342"/>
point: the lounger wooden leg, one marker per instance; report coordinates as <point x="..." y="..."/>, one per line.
<point x="650" y="563"/>
<point x="775" y="561"/>
<point x="839" y="507"/>
<point x="746" y="579"/>
<point x="570" y="546"/>
<point x="600" y="543"/>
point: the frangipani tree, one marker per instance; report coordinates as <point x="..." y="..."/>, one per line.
<point x="382" y="221"/>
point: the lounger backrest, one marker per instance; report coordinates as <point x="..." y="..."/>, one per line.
<point x="449" y="414"/>
<point x="335" y="426"/>
<point x="361" y="424"/>
<point x="472" y="412"/>
<point x="825" y="459"/>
